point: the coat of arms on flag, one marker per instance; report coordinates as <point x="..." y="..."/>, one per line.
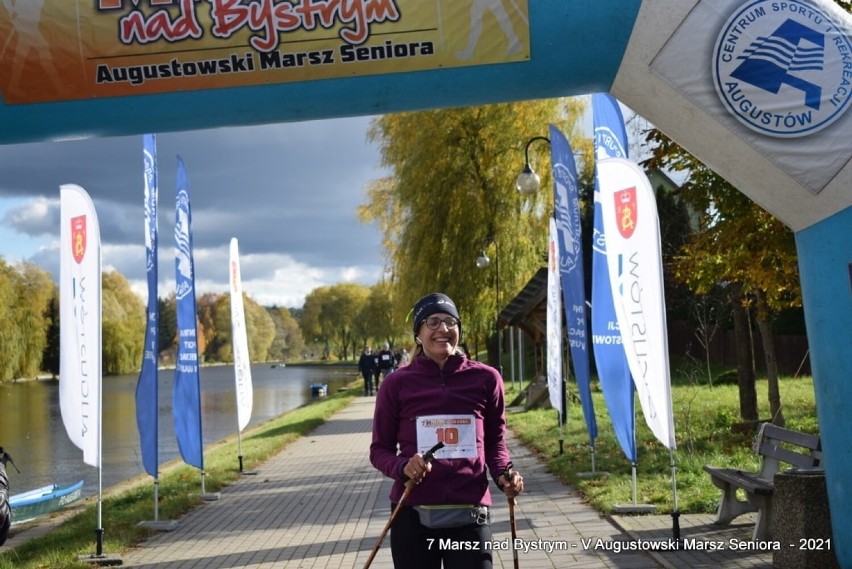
<point x="625" y="211"/>
<point x="78" y="238"/>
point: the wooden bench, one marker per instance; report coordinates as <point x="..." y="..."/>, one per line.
<point x="774" y="445"/>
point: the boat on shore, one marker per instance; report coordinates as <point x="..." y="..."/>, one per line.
<point x="44" y="500"/>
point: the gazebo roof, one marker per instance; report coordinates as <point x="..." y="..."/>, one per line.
<point x="528" y="310"/>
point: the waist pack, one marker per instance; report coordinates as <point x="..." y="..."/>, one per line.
<point x="453" y="516"/>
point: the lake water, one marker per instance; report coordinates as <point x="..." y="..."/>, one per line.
<point x="32" y="432"/>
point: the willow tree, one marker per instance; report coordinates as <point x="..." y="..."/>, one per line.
<point x="451" y="195"/>
<point x="123" y="325"/>
<point x="330" y="315"/>
<point x="10" y="337"/>
<point x="379" y="320"/>
<point x="34" y="291"/>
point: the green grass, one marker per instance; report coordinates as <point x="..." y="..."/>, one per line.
<point x="707" y="428"/>
<point x="180" y="489"/>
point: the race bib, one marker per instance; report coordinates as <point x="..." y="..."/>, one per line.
<point x="457" y="432"/>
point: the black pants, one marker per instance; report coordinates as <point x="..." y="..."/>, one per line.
<point x="415" y="546"/>
<point x="368" y="382"/>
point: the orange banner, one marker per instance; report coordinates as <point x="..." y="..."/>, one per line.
<point x="56" y="50"/>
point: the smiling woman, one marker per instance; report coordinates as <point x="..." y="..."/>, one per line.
<point x="442" y="398"/>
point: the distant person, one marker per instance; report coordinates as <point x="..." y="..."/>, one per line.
<point x="442" y="396"/>
<point x="386" y="362"/>
<point x="367" y="367"/>
<point x="375" y="371"/>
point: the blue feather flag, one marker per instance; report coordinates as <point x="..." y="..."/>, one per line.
<point x="186" y="397"/>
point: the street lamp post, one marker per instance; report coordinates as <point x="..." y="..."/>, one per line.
<point x="482" y="262"/>
<point x="528" y="183"/>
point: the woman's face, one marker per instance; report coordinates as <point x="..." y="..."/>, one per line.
<point x="441" y="342"/>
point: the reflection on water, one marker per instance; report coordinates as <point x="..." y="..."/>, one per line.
<point x="31" y="427"/>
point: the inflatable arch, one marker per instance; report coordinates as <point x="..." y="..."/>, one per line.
<point x="760" y="90"/>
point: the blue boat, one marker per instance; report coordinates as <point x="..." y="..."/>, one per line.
<point x="43" y="501"/>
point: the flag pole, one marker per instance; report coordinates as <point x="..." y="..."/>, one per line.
<point x="99" y="531"/>
<point x="675" y="509"/>
<point x="635" y="507"/>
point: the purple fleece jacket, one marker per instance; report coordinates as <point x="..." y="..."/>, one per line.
<point x="421" y="388"/>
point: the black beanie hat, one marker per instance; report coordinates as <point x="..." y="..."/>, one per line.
<point x="432" y="304"/>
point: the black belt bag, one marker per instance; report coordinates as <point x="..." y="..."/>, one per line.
<point x="453" y="516"/>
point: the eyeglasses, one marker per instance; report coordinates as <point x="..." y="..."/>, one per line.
<point x="434" y="322"/>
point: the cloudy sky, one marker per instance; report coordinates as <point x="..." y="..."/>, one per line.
<point x="287" y="192"/>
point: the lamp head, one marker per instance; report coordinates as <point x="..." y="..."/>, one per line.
<point x="482" y="261"/>
<point x="527" y="181"/>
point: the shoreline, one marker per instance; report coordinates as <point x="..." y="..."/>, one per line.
<point x="311" y="363"/>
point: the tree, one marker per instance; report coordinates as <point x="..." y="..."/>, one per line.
<point x="452" y="194"/>
<point x="10" y="338"/>
<point x="33" y="291"/>
<point x="210" y="338"/>
<point x="737" y="243"/>
<point x="745" y="354"/>
<point x="288" y="342"/>
<point x="311" y="322"/>
<point x="167" y="326"/>
<point x="260" y="328"/>
<point x="330" y="315"/>
<point x="379" y="319"/>
<point x="50" y="356"/>
<point x="340" y="315"/>
<point x="123" y="325"/>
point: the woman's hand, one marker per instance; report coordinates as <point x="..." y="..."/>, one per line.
<point x="511" y="482"/>
<point x="417" y="468"/>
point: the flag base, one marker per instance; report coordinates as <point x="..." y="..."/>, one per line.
<point x="596" y="474"/>
<point x="168" y="525"/>
<point x="248" y="472"/>
<point x="103" y="560"/>
<point x="634" y="508"/>
<point x="211" y="496"/>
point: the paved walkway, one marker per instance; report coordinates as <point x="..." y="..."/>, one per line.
<point x="320" y="504"/>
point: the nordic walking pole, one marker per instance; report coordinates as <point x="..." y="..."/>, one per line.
<point x="508" y="476"/>
<point x="409" y="486"/>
